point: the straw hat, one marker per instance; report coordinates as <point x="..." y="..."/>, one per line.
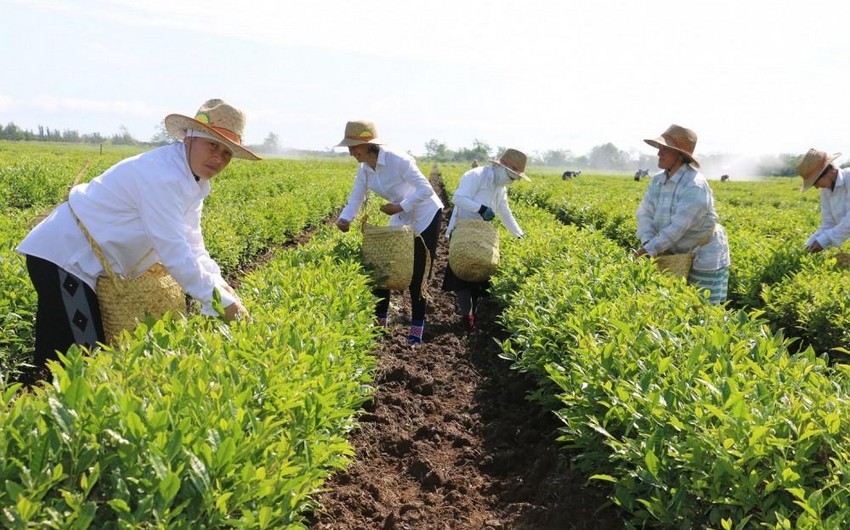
<point x="219" y="120"/>
<point x="359" y="132"/>
<point x="679" y="139"/>
<point x="812" y="165"/>
<point x="516" y="158"/>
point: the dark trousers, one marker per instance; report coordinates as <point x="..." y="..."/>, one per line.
<point x="425" y="242"/>
<point x="55" y="315"/>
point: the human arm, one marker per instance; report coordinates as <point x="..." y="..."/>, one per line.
<point x="835" y="228"/>
<point x="645" y="214"/>
<point x="690" y="208"/>
<point x="229" y="298"/>
<point x="410" y="173"/>
<point x="503" y="209"/>
<point x="177" y="240"/>
<point x="355" y="201"/>
<point x="467" y="188"/>
<point x="391" y="208"/>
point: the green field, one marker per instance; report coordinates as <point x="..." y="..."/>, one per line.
<point x="695" y="416"/>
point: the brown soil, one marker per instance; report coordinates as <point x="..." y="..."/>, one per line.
<point x="450" y="441"/>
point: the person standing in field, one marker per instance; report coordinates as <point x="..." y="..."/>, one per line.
<point x="144" y="209"/>
<point x="411" y="201"/>
<point x="677" y="215"/>
<point x="818" y="171"/>
<point x="482" y="194"/>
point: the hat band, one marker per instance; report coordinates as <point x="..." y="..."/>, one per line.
<point x="364" y="136"/>
<point x="227" y="133"/>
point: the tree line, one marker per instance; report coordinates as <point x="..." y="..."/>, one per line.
<point x="607" y="157"/>
<point x="12" y="132"/>
<point x="603" y="157"/>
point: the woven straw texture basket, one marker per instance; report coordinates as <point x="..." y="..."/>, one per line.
<point x="474" y="250"/>
<point x="843" y="259"/>
<point x="678" y="265"/>
<point x="124" y="302"/>
<point x="387" y="252"/>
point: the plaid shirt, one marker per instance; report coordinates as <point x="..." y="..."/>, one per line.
<point x="676" y="216"/>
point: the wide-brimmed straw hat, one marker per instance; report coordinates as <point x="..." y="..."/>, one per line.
<point x="217" y="119"/>
<point x="359" y="132"/>
<point x="812" y="165"/>
<point x="517" y="158"/>
<point x="679" y="139"/>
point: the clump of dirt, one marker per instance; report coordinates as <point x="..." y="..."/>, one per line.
<point x="450" y="441"/>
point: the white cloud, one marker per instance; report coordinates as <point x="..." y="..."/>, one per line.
<point x="755" y="76"/>
<point x="56" y="104"/>
<point x="6" y="103"/>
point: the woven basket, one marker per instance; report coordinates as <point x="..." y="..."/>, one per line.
<point x="474" y="250"/>
<point x="843" y="259"/>
<point x="678" y="265"/>
<point x="124" y="302"/>
<point x="387" y="252"/>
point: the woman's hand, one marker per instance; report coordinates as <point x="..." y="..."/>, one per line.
<point x="391" y="208"/>
<point x="640" y="252"/>
<point x="815" y="247"/>
<point x="486" y="212"/>
<point x="234" y="311"/>
<point x="343" y="225"/>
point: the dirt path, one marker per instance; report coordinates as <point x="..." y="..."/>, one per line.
<point x="450" y="442"/>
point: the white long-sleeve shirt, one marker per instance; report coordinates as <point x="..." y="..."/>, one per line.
<point x="677" y="215"/>
<point x="144" y="209"/>
<point x="397" y="179"/>
<point x="834" y="213"/>
<point x="478" y="187"/>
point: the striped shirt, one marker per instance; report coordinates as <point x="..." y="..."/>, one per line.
<point x="677" y="215"/>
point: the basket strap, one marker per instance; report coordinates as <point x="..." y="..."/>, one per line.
<point x="98" y="251"/>
<point x="364" y="218"/>
<point x="40" y="217"/>
<point x="706" y="238"/>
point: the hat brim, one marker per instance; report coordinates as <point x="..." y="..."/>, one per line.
<point x="810" y="180"/>
<point x="521" y="175"/>
<point x="660" y="142"/>
<point x="350" y="142"/>
<point x="177" y="125"/>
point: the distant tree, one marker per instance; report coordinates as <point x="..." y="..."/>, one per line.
<point x="162" y="136"/>
<point x="647" y="162"/>
<point x="93" y="138"/>
<point x="123" y="137"/>
<point x="607" y="156"/>
<point x="557" y="157"/>
<point x="271" y="144"/>
<point x="479" y="151"/>
<point x="784" y="166"/>
<point x="436" y="151"/>
<point x="69" y="135"/>
<point x="12" y="132"/>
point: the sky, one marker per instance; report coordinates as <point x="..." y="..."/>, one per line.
<point x="750" y="77"/>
